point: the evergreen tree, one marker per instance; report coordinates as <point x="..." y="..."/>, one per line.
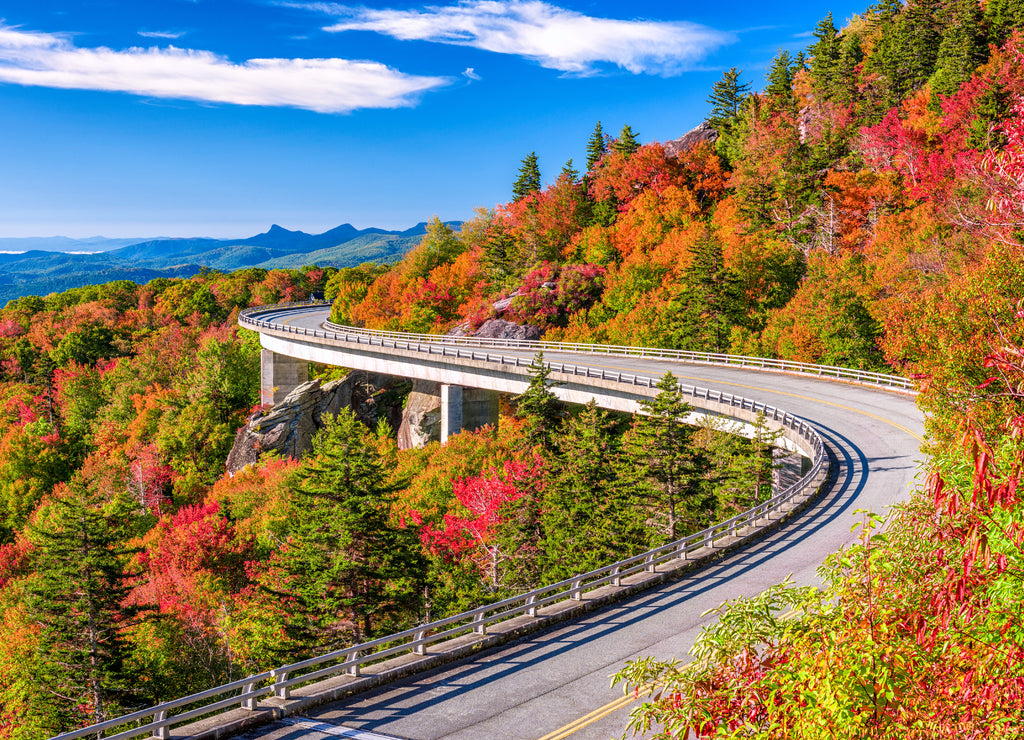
<point x="529" y="178"/>
<point x="917" y="43"/>
<point x="740" y="470"/>
<point x="597" y="147"/>
<point x="499" y="253"/>
<point x="627" y="142"/>
<point x="851" y="54"/>
<point x="883" y="61"/>
<point x="709" y="304"/>
<point x="825" y="55"/>
<point x="659" y="452"/>
<point x="588" y="518"/>
<point x="569" y="171"/>
<point x="349" y="572"/>
<point x="780" y="80"/>
<point x="962" y="47"/>
<point x="1001" y="18"/>
<point x="77" y="596"/>
<point x="726" y="99"/>
<point x="539" y="407"/>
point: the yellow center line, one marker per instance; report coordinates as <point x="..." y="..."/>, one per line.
<point x="590" y="718"/>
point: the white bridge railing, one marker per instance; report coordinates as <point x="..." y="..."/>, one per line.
<point x="278" y="682"/>
<point x="251" y="318"/>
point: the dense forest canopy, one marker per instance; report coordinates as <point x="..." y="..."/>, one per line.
<point x="865" y="208"/>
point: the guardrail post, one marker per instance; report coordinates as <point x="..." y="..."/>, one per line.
<point x="649" y="564"/>
<point x="164" y="733"/>
<point x="531" y="605"/>
<point x="479" y="626"/>
<point x="616" y="578"/>
<point x="353" y="670"/>
<point x="281" y="692"/>
<point x="248" y="701"/>
<point x="420" y="648"/>
<point x="576" y="593"/>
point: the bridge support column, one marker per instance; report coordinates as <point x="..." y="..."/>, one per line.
<point x="789" y="467"/>
<point x="466" y="408"/>
<point x="280" y="375"/>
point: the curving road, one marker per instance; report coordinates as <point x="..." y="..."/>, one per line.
<point x="556" y="684"/>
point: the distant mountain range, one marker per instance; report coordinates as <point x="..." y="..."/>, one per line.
<point x="43" y="265"/>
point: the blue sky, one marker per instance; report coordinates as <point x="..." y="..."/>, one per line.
<point x="220" y="117"/>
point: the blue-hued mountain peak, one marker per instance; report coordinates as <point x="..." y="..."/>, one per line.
<point x="39" y="266"/>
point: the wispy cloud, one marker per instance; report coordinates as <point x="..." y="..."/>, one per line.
<point x="553" y="37"/>
<point x="322" y="85"/>
<point x="162" y="34"/>
<point x="471" y="74"/>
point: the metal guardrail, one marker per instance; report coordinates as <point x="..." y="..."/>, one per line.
<point x="278" y="682"/>
<point x="885" y="380"/>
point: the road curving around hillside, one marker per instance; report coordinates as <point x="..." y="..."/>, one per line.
<point x="556" y="684"/>
<point x="537" y="666"/>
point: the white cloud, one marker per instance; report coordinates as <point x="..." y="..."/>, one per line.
<point x="322" y="85"/>
<point x="471" y="74"/>
<point x="553" y="37"/>
<point x="162" y="34"/>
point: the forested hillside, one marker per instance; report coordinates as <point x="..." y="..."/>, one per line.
<point x="866" y="208"/>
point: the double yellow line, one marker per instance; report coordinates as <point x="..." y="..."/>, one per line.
<point x="587" y="719"/>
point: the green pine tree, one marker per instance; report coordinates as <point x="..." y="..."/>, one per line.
<point x="1001" y="18"/>
<point x="825" y="55"/>
<point x="627" y="142"/>
<point x="739" y="470"/>
<point x="918" y="35"/>
<point x="962" y="47"/>
<point x="347" y="570"/>
<point x="709" y="303"/>
<point x="597" y="147"/>
<point x="77" y="596"/>
<point x="589" y="517"/>
<point x="780" y="80"/>
<point x="851" y="54"/>
<point x="539" y="408"/>
<point x="569" y="171"/>
<point x="529" y="177"/>
<point x="727" y="98"/>
<point x="659" y="452"/>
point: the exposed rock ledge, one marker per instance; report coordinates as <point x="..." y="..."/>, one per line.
<point x="288" y="428"/>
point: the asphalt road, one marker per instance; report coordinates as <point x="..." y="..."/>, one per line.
<point x="556" y="684"/>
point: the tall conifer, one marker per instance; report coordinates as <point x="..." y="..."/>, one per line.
<point x="627" y="142"/>
<point x="589" y="517"/>
<point x="529" y="177"/>
<point x="539" y="407"/>
<point x="597" y="147"/>
<point x="348" y="571"/>
<point x="660" y="454"/>
<point x="77" y="596"/>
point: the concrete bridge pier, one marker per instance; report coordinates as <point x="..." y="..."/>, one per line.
<point x="466" y="408"/>
<point x="280" y="375"/>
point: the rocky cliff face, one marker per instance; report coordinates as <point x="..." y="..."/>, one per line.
<point x="421" y="417"/>
<point x="288" y="428"/>
<point x="690" y="139"/>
